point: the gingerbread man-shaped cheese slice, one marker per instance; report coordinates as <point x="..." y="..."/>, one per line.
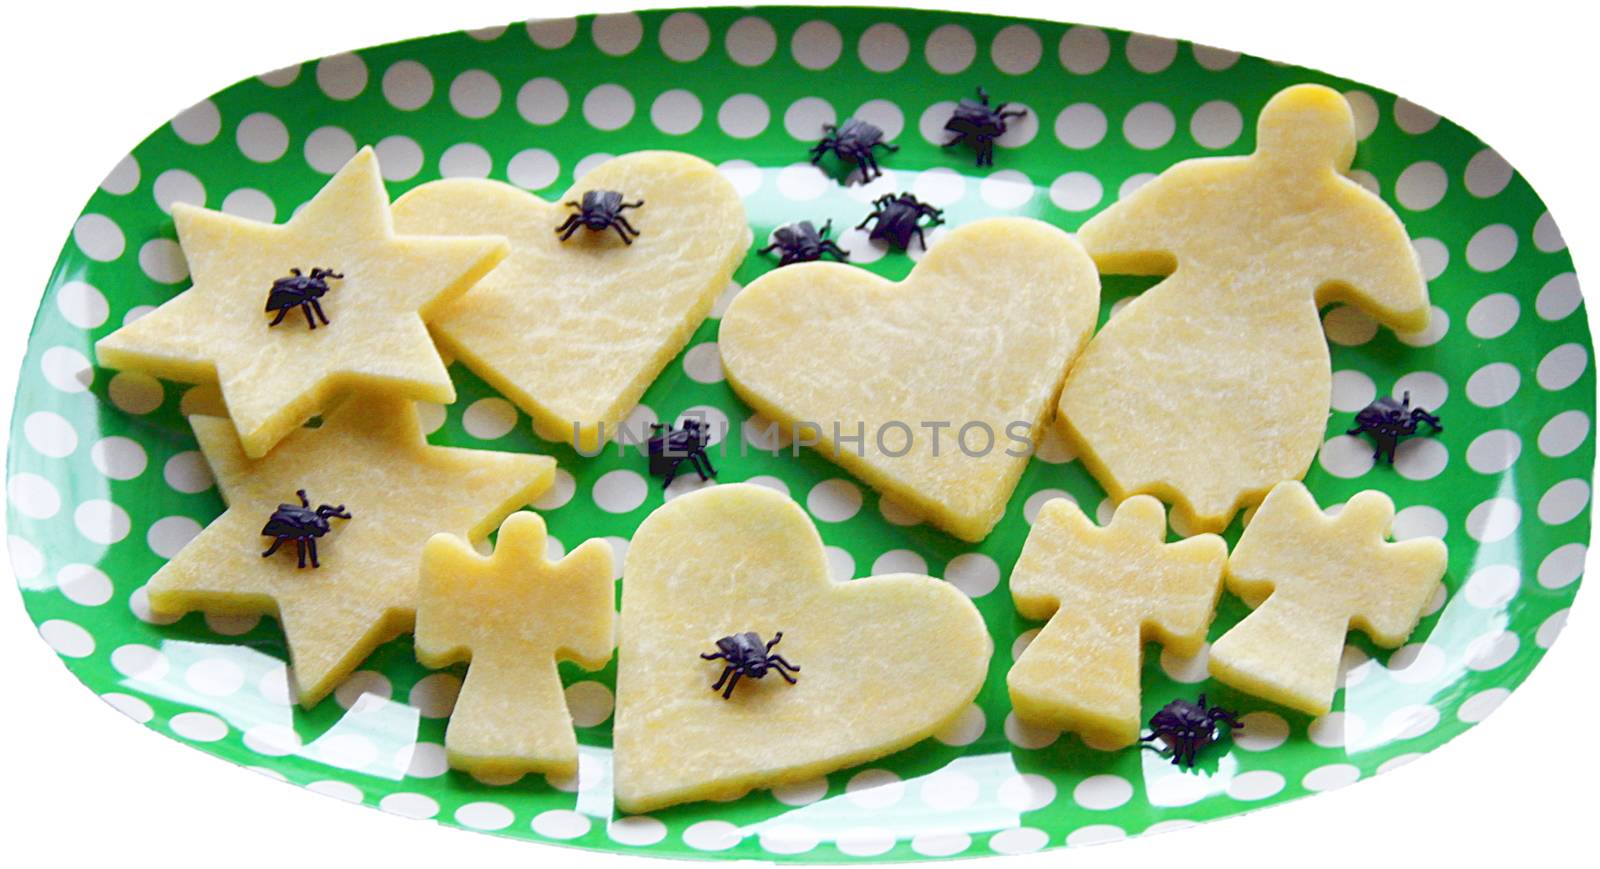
<point x="1313" y="577"/>
<point x="1105" y="591"/>
<point x="514" y="613"/>
<point x="1213" y="386"/>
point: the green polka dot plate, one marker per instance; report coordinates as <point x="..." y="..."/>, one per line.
<point x="104" y="481"/>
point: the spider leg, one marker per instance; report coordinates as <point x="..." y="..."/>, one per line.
<point x="728" y="691"/>
<point x="626" y="225"/>
<point x="892" y="147"/>
<point x="702" y="466"/>
<point x="1356" y="430"/>
<point x="726" y="672"/>
<point x="781" y="662"/>
<point x="781" y="672"/>
<point x="774" y="641"/>
<point x="818" y="151"/>
<point x="305" y="308"/>
<point x="569" y="227"/>
<point x="866" y="220"/>
<point x="300" y="550"/>
<point x="622" y="232"/>
<point x="923" y="241"/>
<point x="311" y="546"/>
<point x="630" y="205"/>
<point x="282" y="312"/>
<point x="304" y="501"/>
<point x="870" y="166"/>
<point x="830" y="247"/>
<point x="960" y="137"/>
<point x="768" y="249"/>
<point x="672" y="474"/>
<point x="317" y="306"/>
<point x="711" y="656"/>
<point x="276" y="542"/>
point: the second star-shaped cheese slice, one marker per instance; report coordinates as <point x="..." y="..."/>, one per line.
<point x="274" y="378"/>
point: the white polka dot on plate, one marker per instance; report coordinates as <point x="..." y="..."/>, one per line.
<point x="1561" y="367"/>
<point x="162" y="261"/>
<point x="617" y="34"/>
<point x="1546" y="234"/>
<point x="1491" y="247"/>
<point x="974" y="573"/>
<point x="68" y="639"/>
<point x="1349" y="326"/>
<point x="883" y="47"/>
<point x="101" y="521"/>
<point x="1255" y="785"/>
<point x="33" y="495"/>
<point x="1487" y="173"/>
<point x="475" y="94"/>
<point x="1345" y="456"/>
<point x="1214" y="59"/>
<point x="1493" y="384"/>
<point x="1433" y="255"/>
<point x="711" y="835"/>
<point x="1102" y="792"/>
<point x="886" y="116"/>
<point x="1493" y="315"/>
<point x="1493" y="520"/>
<point x="1150" y="54"/>
<point x="1563" y="502"/>
<point x="1562" y="566"/>
<point x="98" y="237"/>
<point x="1019" y="840"/>
<point x="199" y="123"/>
<point x="1262" y="731"/>
<point x="198" y="726"/>
<point x="533" y="169"/>
<point x="590" y="702"/>
<point x="262" y="137"/>
<point x="806" y="116"/>
<point x="1006" y="189"/>
<point x="1421" y="185"/>
<point x="816" y="45"/>
<point x="1559" y="297"/>
<point x="1081" y="125"/>
<point x="342" y="76"/>
<point x="899" y="561"/>
<point x="743" y="116"/>
<point x="1216" y="124"/>
<point x="489" y="418"/>
<point x="1076" y="191"/>
<point x="1186" y="669"/>
<point x="802" y="182"/>
<point x="636" y="830"/>
<point x="1479" y="706"/>
<point x="407" y="85"/>
<point x="484" y="816"/>
<point x="1492" y="650"/>
<point x="50" y="434"/>
<point x="1330" y="777"/>
<point x="751" y="41"/>
<point x="542" y="101"/>
<point x="1494" y="451"/>
<point x="465" y="160"/>
<point x="327" y="149"/>
<point x="123" y="177"/>
<point x="1550" y="629"/>
<point x="1413" y="118"/>
<point x="1084" y="50"/>
<point x="950" y="49"/>
<point x="561" y="824"/>
<point x="117" y="457"/>
<point x="1421" y="458"/>
<point x="1352" y="390"/>
<point x="169" y="535"/>
<point x="176" y="185"/>
<point x="1016" y="49"/>
<point x="608" y="107"/>
<point x="620" y="491"/>
<point x="1565" y="432"/>
<point x="684" y="37"/>
<point x="1148" y="126"/>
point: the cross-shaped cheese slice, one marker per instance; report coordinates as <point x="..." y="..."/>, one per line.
<point x="368" y="455"/>
<point x="1106" y="591"/>
<point x="513" y="614"/>
<point x="274" y="378"/>
<point x="1313" y="577"/>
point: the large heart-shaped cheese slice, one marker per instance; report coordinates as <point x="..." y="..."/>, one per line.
<point x="945" y="377"/>
<point x="574" y="332"/>
<point x="884" y="662"/>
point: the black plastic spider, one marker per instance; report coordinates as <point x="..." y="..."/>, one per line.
<point x="301" y="524"/>
<point x="671" y="447"/>
<point x="1184" y="728"/>
<point x="853" y="143"/>
<point x="899" y="217"/>
<point x="600" y="210"/>
<point x="300" y="291"/>
<point x="978" y="124"/>
<point x="745" y="655"/>
<point x="1387" y="421"/>
<point x="802" y="242"/>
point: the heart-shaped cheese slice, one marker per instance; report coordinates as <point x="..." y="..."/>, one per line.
<point x="883" y="662"/>
<point x="574" y="332"/>
<point x="932" y="390"/>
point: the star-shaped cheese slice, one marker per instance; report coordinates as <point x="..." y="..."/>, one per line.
<point x="369" y="456"/>
<point x="513" y="614"/>
<point x="274" y="378"/>
<point x="1106" y="591"/>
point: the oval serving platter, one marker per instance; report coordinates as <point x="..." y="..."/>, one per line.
<point x="104" y="480"/>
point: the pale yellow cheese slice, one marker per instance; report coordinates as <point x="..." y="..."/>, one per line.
<point x="274" y="378"/>
<point x="368" y="455"/>
<point x="574" y="332"/>
<point x="1106" y="591"/>
<point x="513" y="614"/>
<point x="883" y="662"/>
<point x="1312" y="578"/>
<point x="1213" y="386"/>
<point x="932" y="390"/>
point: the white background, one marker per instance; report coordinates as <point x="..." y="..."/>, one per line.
<point x="83" y="82"/>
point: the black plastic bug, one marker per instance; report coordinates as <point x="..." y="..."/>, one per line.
<point x="301" y="524"/>
<point x="979" y="124"/>
<point x="853" y="143"/>
<point x="1387" y="421"/>
<point x="300" y="291"/>
<point x="671" y="447"/>
<point x="600" y="210"/>
<point x="803" y="242"/>
<point x="747" y="656"/>
<point x="1184" y="728"/>
<point x="899" y="217"/>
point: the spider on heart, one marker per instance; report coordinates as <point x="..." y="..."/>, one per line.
<point x="747" y="656"/>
